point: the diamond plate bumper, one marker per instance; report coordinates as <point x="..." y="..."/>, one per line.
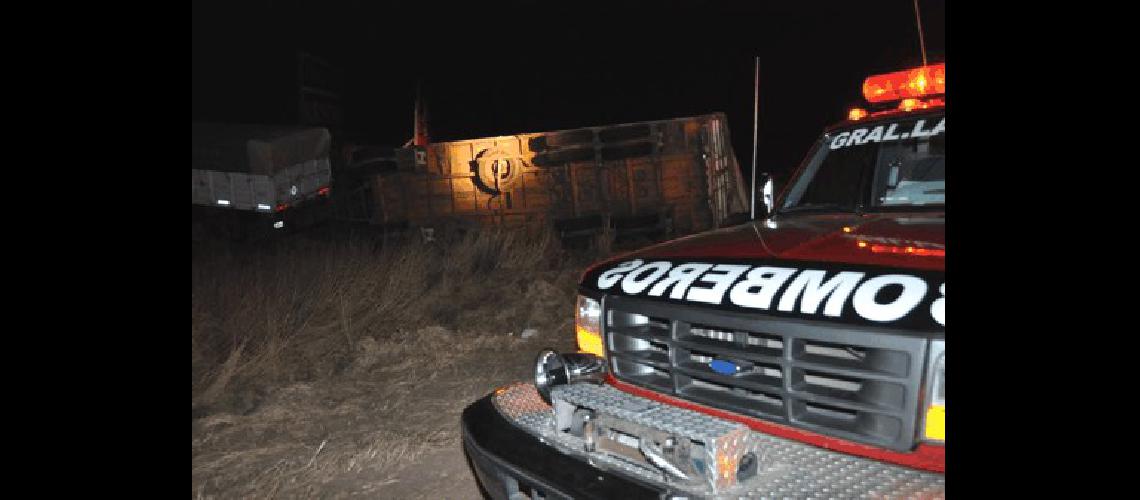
<point x="786" y="469"/>
<point x="513" y="464"/>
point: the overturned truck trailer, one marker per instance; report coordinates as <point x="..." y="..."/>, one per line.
<point x="662" y="178"/>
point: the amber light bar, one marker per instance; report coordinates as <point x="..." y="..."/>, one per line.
<point x="910" y="250"/>
<point x="906" y="84"/>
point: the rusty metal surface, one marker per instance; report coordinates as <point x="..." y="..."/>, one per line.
<point x="682" y="171"/>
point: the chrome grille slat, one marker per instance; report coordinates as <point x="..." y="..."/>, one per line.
<point x="737" y="352"/>
<point x="857" y="383"/>
<point x="847" y="405"/>
<point x="739" y="403"/>
<point x="634" y="357"/>
<point x="730" y="381"/>
<point x="648" y="337"/>
<point x="844" y="372"/>
<point x="642" y="330"/>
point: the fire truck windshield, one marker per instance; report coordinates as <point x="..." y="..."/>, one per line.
<point x="884" y="165"/>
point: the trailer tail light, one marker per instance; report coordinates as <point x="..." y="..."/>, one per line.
<point x="323" y="191"/>
<point x="588" y="326"/>
<point x="906" y="84"/>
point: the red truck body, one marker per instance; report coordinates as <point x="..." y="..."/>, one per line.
<point x="818" y="327"/>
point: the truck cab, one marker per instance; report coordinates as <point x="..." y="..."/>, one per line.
<point x="798" y="354"/>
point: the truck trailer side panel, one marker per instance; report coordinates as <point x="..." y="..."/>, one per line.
<point x="681" y="171"/>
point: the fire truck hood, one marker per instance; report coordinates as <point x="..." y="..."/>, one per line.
<point x="912" y="240"/>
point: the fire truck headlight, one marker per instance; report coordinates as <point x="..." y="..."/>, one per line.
<point x="934" y="421"/>
<point x="588" y="326"/>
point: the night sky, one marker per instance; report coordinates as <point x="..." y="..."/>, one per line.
<point x="537" y="66"/>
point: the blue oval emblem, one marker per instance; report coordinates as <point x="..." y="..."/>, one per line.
<point x="724" y="367"/>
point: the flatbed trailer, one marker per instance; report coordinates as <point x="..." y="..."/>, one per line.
<point x="251" y="180"/>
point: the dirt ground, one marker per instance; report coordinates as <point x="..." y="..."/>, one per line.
<point x="386" y="428"/>
<point x="370" y="408"/>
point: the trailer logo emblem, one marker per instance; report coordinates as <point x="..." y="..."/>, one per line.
<point x="496" y="170"/>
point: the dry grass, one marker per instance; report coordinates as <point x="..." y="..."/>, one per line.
<point x="324" y="369"/>
<point x="296" y="314"/>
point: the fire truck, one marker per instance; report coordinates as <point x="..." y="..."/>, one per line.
<point x="800" y="354"/>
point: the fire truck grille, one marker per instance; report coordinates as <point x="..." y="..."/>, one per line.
<point x="860" y="384"/>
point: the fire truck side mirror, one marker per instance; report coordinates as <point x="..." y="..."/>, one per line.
<point x="765" y="202"/>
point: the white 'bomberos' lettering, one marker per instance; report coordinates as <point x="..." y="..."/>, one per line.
<point x="938" y="308"/>
<point x="721" y="276"/>
<point x="811" y="290"/>
<point x="756" y="287"/>
<point x="914" y="289"/>
<point x="680" y="278"/>
<point x="759" y="287"/>
<point x="637" y="281"/>
<point x="612" y="276"/>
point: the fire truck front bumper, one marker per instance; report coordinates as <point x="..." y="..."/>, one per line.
<point x="513" y="464"/>
<point x="519" y="447"/>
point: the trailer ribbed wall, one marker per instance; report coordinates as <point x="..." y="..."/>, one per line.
<point x="683" y="171"/>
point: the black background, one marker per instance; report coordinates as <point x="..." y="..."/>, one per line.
<point x="512" y="67"/>
<point x="533" y="66"/>
<point x="94" y="272"/>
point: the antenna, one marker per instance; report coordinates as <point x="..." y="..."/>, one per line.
<point x="418" y="128"/>
<point x="921" y="37"/>
<point x="755" y="127"/>
<point x="419" y="125"/>
<point x="416" y="114"/>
